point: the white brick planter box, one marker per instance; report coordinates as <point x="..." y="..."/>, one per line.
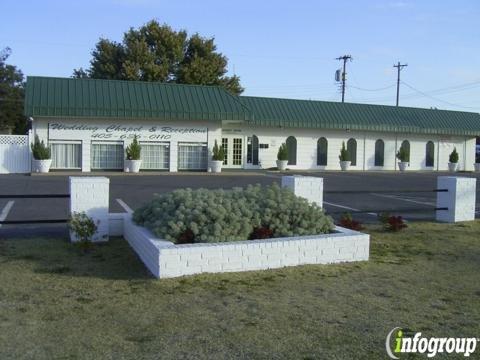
<point x="165" y="259"/>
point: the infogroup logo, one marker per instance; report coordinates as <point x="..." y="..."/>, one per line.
<point x="397" y="343"/>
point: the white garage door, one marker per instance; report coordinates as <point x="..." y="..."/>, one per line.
<point x="192" y="156"/>
<point x="155" y="156"/>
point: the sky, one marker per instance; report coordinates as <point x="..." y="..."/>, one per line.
<point x="278" y="48"/>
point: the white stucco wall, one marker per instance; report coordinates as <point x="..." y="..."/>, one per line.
<point x="307" y="148"/>
<point x="41" y="128"/>
<point x="306" y="144"/>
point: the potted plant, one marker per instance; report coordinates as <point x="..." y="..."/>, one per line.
<point x="344" y="158"/>
<point x="282" y="157"/>
<point x="403" y="155"/>
<point x="41" y="156"/>
<point x="133" y="151"/>
<point x="218" y="156"/>
<point x="453" y="160"/>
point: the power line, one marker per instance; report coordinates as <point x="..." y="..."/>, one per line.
<point x="378" y="89"/>
<point x="441" y="91"/>
<point x="437" y="99"/>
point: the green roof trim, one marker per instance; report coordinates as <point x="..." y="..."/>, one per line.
<point x="275" y="112"/>
<point x="68" y="97"/>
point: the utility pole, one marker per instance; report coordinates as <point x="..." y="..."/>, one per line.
<point x="345" y="58"/>
<point x="399" y="68"/>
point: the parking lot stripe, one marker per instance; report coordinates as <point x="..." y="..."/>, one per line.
<point x="346" y="207"/>
<point x="6" y="210"/>
<point x="395" y="197"/>
<point x="127" y="208"/>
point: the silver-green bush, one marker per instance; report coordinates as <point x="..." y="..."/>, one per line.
<point x="219" y="215"/>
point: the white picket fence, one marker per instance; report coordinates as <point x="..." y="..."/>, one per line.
<point x="15" y="154"/>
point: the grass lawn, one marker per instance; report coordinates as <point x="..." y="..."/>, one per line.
<point x="56" y="303"/>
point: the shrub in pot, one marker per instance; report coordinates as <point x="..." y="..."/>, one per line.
<point x="41" y="156"/>
<point x="218" y="156"/>
<point x="403" y="155"/>
<point x="453" y="160"/>
<point x="133" y="151"/>
<point x="282" y="157"/>
<point x="344" y="158"/>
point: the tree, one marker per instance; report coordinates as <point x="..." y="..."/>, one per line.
<point x="156" y="52"/>
<point x="12" y="94"/>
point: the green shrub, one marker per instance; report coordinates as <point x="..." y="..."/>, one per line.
<point x="218" y="154"/>
<point x="282" y="152"/>
<point x="453" y="158"/>
<point x="348" y="222"/>
<point x="217" y="215"/>
<point x="84" y="228"/>
<point x="133" y="150"/>
<point x="344" y="155"/>
<point x="403" y="154"/>
<point x="39" y="150"/>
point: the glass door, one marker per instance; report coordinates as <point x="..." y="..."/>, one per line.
<point x="233" y="148"/>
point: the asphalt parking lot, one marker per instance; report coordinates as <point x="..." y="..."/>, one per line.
<point x="378" y="191"/>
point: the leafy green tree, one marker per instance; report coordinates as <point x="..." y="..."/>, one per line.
<point x="156" y="52"/>
<point x="12" y="94"/>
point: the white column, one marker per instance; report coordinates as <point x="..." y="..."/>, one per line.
<point x="459" y="199"/>
<point x="308" y="187"/>
<point x="86" y="166"/>
<point x="173" y="156"/>
<point x="91" y="195"/>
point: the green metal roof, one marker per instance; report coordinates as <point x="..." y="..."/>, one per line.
<point x="334" y="115"/>
<point x="68" y="97"/>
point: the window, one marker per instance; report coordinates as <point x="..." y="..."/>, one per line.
<point x="225" y="150"/>
<point x="66" y="155"/>
<point x="430" y="154"/>
<point x="252" y="150"/>
<point x="192" y="156"/>
<point x="352" y="151"/>
<point x="379" y="152"/>
<point x="406" y="146"/>
<point x="155" y="156"/>
<point x="292" y="150"/>
<point x="237" y="151"/>
<point x="322" y="151"/>
<point x="107" y="155"/>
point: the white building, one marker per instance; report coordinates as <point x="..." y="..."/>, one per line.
<point x="88" y="123"/>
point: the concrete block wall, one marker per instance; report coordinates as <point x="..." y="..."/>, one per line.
<point x="145" y="244"/>
<point x="459" y="199"/>
<point x="165" y="259"/>
<point x="115" y="224"/>
<point x="307" y="187"/>
<point x="91" y="195"/>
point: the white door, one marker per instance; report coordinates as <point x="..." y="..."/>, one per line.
<point x="233" y="148"/>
